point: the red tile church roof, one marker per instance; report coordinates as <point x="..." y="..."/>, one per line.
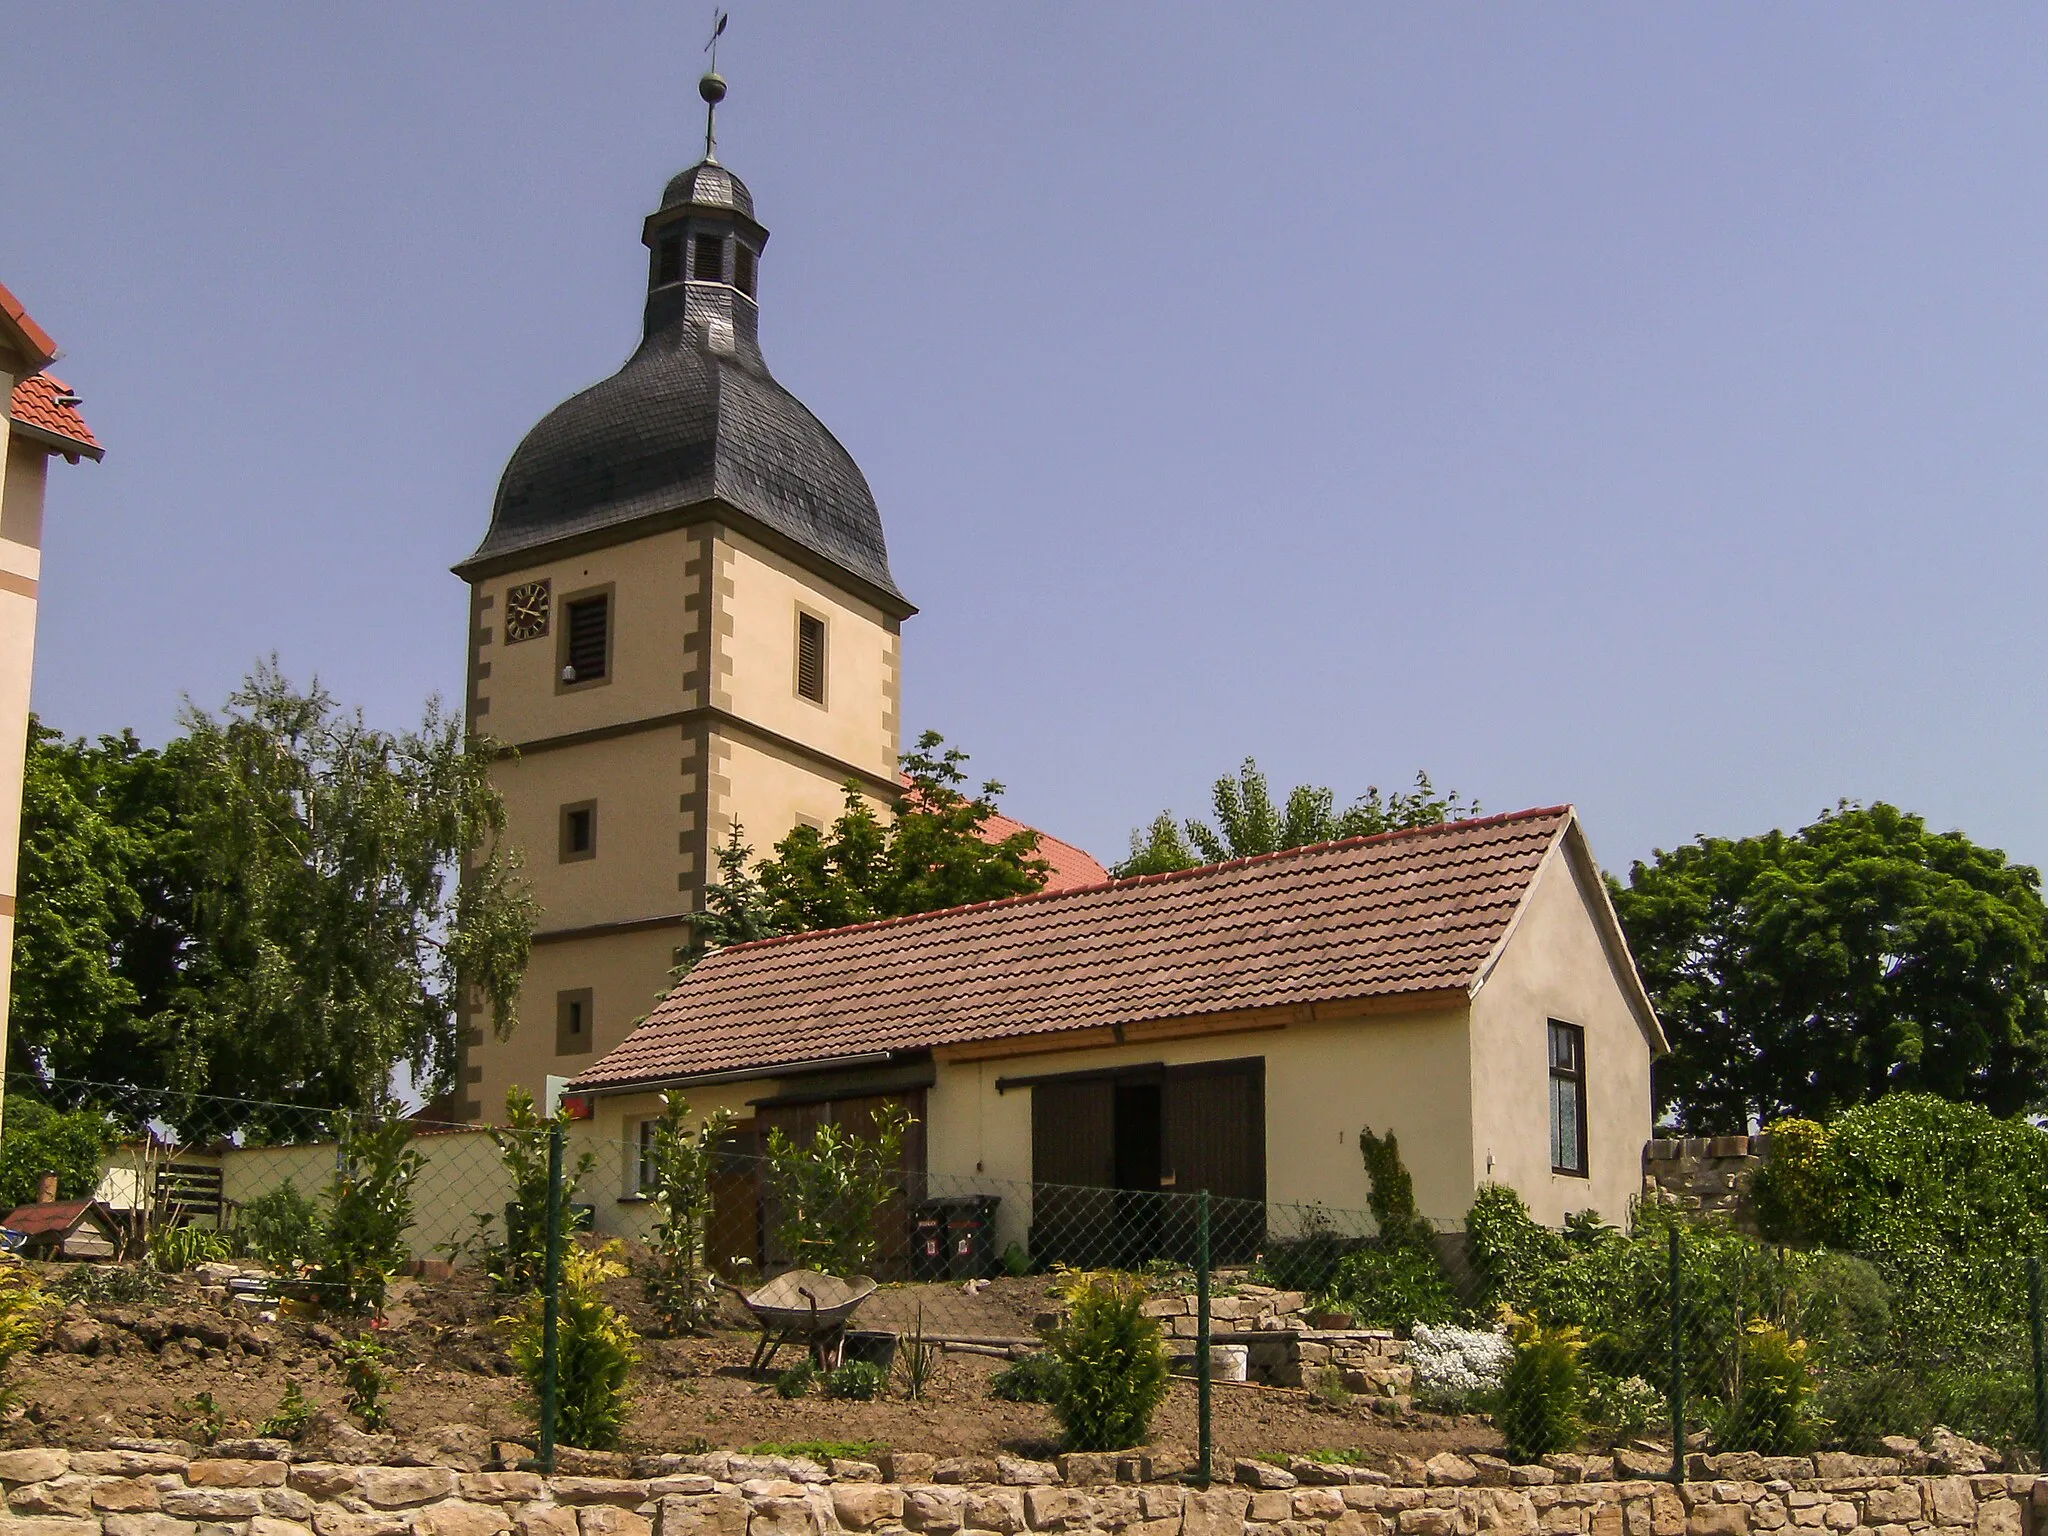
<point x="47" y="408"/>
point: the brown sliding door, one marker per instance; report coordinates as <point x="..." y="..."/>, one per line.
<point x="1213" y="1137"/>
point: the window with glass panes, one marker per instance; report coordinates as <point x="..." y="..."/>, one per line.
<point x="1567" y="1098"/>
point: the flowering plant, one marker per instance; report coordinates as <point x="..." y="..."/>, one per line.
<point x="1457" y="1368"/>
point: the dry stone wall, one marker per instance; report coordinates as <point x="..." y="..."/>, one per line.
<point x="254" y="1488"/>
<point x="1705" y="1175"/>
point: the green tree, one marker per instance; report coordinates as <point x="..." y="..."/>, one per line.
<point x="1802" y="974"/>
<point x="334" y="935"/>
<point x="933" y="854"/>
<point x="1250" y="822"/>
<point x="105" y="916"/>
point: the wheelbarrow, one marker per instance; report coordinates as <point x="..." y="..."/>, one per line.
<point x="805" y="1307"/>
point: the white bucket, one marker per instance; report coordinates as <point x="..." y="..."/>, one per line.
<point x="1229" y="1362"/>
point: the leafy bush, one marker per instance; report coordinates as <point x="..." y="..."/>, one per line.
<point x="1034" y="1379"/>
<point x="1773" y="1410"/>
<point x="1624" y="1406"/>
<point x="23" y="1306"/>
<point x="109" y="1285"/>
<point x="1112" y="1360"/>
<point x="595" y="1349"/>
<point x="173" y="1250"/>
<point x="281" y="1229"/>
<point x="1789" y="1193"/>
<point x="680" y="1284"/>
<point x="368" y="1209"/>
<point x="1395" y="1280"/>
<point x="796" y="1380"/>
<point x="831" y="1191"/>
<point x="1307" y="1263"/>
<point x="363" y="1373"/>
<point x="1016" y="1262"/>
<point x="1457" y="1369"/>
<point x="522" y="1143"/>
<point x="858" y="1381"/>
<point x="36" y="1139"/>
<point x="1542" y="1399"/>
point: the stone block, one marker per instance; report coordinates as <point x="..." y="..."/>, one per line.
<point x="398" y="1487"/>
<point x="1892" y="1506"/>
<point x="1447" y="1469"/>
<point x="125" y="1495"/>
<point x="148" y="1525"/>
<point x="1270" y="1505"/>
<point x="964" y="1469"/>
<point x="1428" y="1522"/>
<point x="252" y="1450"/>
<point x="464" y="1447"/>
<point x="1951" y="1501"/>
<point x="1667" y="1512"/>
<point x="1606" y="1520"/>
<point x="1079" y="1467"/>
<point x="50" y="1525"/>
<point x="33" y="1466"/>
<point x="125" y="1463"/>
<point x="782" y="1516"/>
<point x="1263" y="1474"/>
<point x="1357" y="1522"/>
<point x="1051" y="1509"/>
<point x="1532" y="1477"/>
<point x="995" y="1509"/>
<point x="608" y="1520"/>
<point x="863" y="1506"/>
<point x="1995" y="1517"/>
<point x="1017" y="1472"/>
<point x="225" y="1472"/>
<point x="1321" y="1503"/>
<point x="507" y="1487"/>
<point x="625" y="1492"/>
<point x="1840" y="1516"/>
<point x="708" y="1514"/>
<point x="910" y="1467"/>
<point x="211" y="1503"/>
<point x="271" y="1525"/>
<point x="286" y="1504"/>
<point x="938" y="1509"/>
<point x="459" y="1517"/>
<point x="1215" y="1512"/>
<point x="1718" y="1520"/>
<point x="845" y="1469"/>
<point x="333" y="1520"/>
<point x="1840" y="1466"/>
<point x="1510" y="1513"/>
<point x="68" y="1495"/>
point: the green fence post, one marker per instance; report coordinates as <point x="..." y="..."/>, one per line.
<point x="2040" y="1361"/>
<point x="1204" y="1447"/>
<point x="1677" y="1365"/>
<point x="551" y="1291"/>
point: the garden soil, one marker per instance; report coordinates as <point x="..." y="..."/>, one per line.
<point x="151" y="1367"/>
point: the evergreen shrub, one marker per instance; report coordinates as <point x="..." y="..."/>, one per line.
<point x="1112" y="1363"/>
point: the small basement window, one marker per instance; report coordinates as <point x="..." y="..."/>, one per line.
<point x="1567" y="1099"/>
<point x="810" y="657"/>
<point x="587" y="639"/>
<point x="579" y="831"/>
<point x="668" y="261"/>
<point x="743" y="270"/>
<point x="710" y="264"/>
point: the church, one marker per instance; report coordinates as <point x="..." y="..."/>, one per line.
<point x="681" y="617"/>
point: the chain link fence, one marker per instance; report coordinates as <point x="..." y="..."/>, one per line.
<point x="1673" y="1338"/>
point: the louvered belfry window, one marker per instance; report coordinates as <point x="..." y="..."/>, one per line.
<point x="710" y="259"/>
<point x="810" y="657"/>
<point x="743" y="270"/>
<point x="589" y="637"/>
<point x="669" y="261"/>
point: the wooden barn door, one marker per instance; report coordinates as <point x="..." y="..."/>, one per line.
<point x="1213" y="1137"/>
<point x="1073" y="1150"/>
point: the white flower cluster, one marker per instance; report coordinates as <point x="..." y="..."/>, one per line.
<point x="1453" y="1366"/>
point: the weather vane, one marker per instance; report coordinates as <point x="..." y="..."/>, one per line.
<point x="712" y="86"/>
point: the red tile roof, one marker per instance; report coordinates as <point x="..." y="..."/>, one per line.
<point x="46" y="1216"/>
<point x="1072" y="867"/>
<point x="40" y="405"/>
<point x="41" y="349"/>
<point x="1405" y="912"/>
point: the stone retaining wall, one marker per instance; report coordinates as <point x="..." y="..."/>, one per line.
<point x="1710" y="1175"/>
<point x="252" y="1488"/>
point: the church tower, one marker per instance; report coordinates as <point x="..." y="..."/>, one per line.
<point x="682" y="616"/>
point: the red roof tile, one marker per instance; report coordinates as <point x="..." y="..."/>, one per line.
<point x="1404" y="912"/>
<point x="41" y="348"/>
<point x="40" y="405"/>
<point x="1072" y="867"/>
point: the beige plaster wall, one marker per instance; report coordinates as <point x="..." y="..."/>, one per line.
<point x="759" y="595"/>
<point x="26" y="470"/>
<point x="769" y="791"/>
<point x="1556" y="967"/>
<point x="627" y="974"/>
<point x="654" y="624"/>
<point x="637" y="782"/>
<point x="1407" y="1073"/>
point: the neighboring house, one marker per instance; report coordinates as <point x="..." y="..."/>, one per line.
<point x="1230" y="1028"/>
<point x="65" y="1229"/>
<point x="39" y="421"/>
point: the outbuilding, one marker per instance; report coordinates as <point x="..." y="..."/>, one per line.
<point x="65" y="1229"/>
<point x="1229" y="1028"/>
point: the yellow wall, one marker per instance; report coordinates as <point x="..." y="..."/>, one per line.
<point x="768" y="792"/>
<point x="1555" y="967"/>
<point x="23" y="472"/>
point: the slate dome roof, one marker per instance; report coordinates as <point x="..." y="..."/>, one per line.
<point x="694" y="415"/>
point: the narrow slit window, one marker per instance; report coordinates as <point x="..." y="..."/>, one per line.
<point x="579" y="831"/>
<point x="645" y="1181"/>
<point x="668" y="267"/>
<point x="574" y="1030"/>
<point x="1567" y="1099"/>
<point x="588" y="639"/>
<point x="710" y="262"/>
<point x="743" y="270"/>
<point x="810" y="657"/>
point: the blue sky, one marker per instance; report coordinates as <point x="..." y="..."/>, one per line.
<point x="1638" y="406"/>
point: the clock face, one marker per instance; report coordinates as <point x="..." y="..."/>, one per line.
<point x="526" y="611"/>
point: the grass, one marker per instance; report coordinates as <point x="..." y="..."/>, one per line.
<point x="820" y="1450"/>
<point x="1341" y="1456"/>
